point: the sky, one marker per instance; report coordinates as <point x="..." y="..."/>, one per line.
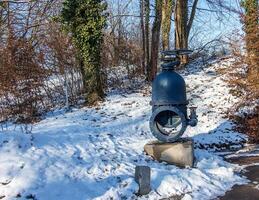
<point x="209" y="23"/>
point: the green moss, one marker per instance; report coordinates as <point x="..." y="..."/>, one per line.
<point x="86" y="19"/>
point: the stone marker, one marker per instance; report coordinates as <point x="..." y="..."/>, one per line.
<point x="180" y="153"/>
<point x="142" y="177"/>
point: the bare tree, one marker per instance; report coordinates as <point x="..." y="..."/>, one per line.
<point x="155" y="39"/>
<point x="181" y="17"/>
<point x="38" y="60"/>
<point x="144" y="24"/>
<point x="167" y="10"/>
<point x="183" y="25"/>
<point x="191" y="18"/>
<point x="143" y="35"/>
<point x="147" y="30"/>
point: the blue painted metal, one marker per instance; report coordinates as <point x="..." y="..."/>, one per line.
<point x="169" y="88"/>
<point x="169" y="102"/>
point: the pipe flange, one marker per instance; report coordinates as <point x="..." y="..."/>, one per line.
<point x="157" y="129"/>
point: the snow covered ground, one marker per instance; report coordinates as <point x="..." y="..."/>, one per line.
<point x="91" y="153"/>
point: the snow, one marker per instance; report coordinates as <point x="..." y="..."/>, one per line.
<point x="248" y="151"/>
<point x="91" y="153"/>
<point x="248" y="109"/>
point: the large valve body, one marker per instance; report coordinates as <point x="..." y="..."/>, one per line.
<point x="169" y="106"/>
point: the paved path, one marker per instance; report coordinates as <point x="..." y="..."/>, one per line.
<point x="249" y="158"/>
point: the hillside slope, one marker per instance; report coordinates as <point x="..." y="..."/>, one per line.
<point x="91" y="153"/>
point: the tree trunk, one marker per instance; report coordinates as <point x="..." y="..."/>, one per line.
<point x="143" y="63"/>
<point x="181" y="17"/>
<point x="147" y="51"/>
<point x="167" y="10"/>
<point x="155" y="39"/>
<point x="252" y="43"/>
<point x="192" y="15"/>
<point x="251" y="24"/>
<point x="93" y="82"/>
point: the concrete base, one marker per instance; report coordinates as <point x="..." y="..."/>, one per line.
<point x="180" y="153"/>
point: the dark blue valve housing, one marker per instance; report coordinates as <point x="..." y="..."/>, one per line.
<point x="169" y="103"/>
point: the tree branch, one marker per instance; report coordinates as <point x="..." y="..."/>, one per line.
<point x="190" y="22"/>
<point x="13" y="1"/>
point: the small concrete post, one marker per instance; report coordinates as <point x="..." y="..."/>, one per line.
<point x="142" y="177"/>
